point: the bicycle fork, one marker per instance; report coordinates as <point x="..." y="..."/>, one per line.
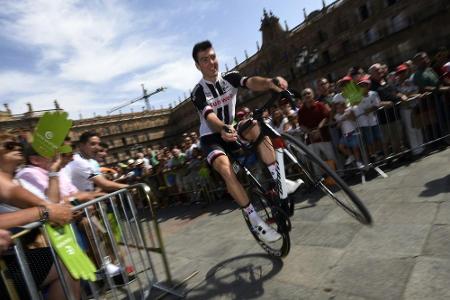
<point x="281" y="173"/>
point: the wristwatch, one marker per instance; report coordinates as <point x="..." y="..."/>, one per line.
<point x="44" y="214"/>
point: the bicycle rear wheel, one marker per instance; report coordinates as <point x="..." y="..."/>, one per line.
<point x="274" y="217"/>
<point x="339" y="191"/>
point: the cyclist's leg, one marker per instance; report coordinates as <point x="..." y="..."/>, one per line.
<point x="273" y="158"/>
<point x="223" y="166"/>
<point x="215" y="150"/>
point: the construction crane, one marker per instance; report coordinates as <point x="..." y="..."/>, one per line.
<point x="144" y="97"/>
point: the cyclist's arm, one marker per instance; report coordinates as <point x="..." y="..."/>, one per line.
<point x="215" y="123"/>
<point x="261" y="84"/>
<point x="229" y="135"/>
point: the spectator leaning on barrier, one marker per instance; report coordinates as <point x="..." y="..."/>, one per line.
<point x="176" y="164"/>
<point x="389" y="116"/>
<point x="425" y="78"/>
<point x="312" y="118"/>
<point x="356" y="73"/>
<point x="40" y="260"/>
<point x="42" y="177"/>
<point x="279" y="122"/>
<point x="324" y="92"/>
<point x="367" y="119"/>
<point x="409" y="94"/>
<point x="349" y="143"/>
<point x="82" y="171"/>
<point x="146" y="161"/>
<point x="440" y="58"/>
<point x="195" y="140"/>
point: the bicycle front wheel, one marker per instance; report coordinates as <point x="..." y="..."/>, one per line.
<point x="319" y="175"/>
<point x="276" y="218"/>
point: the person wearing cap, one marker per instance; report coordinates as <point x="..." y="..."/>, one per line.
<point x="409" y="94"/>
<point x="366" y="118"/>
<point x="356" y="73"/>
<point x="389" y="116"/>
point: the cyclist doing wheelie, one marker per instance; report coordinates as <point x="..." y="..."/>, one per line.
<point x="215" y="99"/>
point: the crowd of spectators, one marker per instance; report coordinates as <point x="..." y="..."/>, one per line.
<point x="393" y="116"/>
<point x="36" y="188"/>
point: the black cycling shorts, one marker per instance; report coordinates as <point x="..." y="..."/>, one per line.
<point x="214" y="146"/>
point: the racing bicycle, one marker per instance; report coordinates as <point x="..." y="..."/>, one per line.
<point x="271" y="202"/>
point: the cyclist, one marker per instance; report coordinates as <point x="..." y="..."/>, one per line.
<point x="215" y="99"/>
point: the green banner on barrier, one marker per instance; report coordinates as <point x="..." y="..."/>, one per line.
<point x="65" y="244"/>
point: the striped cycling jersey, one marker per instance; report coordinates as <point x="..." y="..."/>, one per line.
<point x="218" y="97"/>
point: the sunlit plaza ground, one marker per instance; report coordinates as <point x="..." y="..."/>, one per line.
<point x="404" y="255"/>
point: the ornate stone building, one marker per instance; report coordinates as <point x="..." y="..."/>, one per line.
<point x="340" y="35"/>
<point x="343" y="34"/>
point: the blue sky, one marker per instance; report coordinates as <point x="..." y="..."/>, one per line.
<point x="94" y="55"/>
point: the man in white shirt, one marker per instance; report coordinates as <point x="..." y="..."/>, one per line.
<point x="82" y="171"/>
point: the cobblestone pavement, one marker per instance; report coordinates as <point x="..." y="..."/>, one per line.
<point x="404" y="255"/>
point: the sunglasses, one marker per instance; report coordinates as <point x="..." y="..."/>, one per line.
<point x="11" y="145"/>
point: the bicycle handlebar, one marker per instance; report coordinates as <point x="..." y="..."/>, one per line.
<point x="284" y="94"/>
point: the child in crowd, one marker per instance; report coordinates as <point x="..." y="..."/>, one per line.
<point x="348" y="144"/>
<point x="366" y="118"/>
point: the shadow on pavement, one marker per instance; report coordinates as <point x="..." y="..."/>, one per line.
<point x="192" y="211"/>
<point x="437" y="186"/>
<point x="240" y="277"/>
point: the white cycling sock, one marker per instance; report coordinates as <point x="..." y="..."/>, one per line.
<point x="252" y="214"/>
<point x="273" y="171"/>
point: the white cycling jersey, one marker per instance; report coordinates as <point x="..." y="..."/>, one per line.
<point x="218" y="97"/>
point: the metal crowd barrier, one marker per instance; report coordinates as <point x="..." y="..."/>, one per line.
<point x="410" y="126"/>
<point x="132" y="247"/>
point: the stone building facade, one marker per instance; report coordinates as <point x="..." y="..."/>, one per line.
<point x="340" y="35"/>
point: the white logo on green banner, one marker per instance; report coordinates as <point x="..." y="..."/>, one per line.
<point x="50" y="132"/>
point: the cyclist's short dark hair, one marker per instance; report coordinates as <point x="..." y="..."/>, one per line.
<point x="104" y="145"/>
<point x="85" y="136"/>
<point x="201" y="46"/>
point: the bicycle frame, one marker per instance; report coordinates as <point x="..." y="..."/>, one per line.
<point x="279" y="149"/>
